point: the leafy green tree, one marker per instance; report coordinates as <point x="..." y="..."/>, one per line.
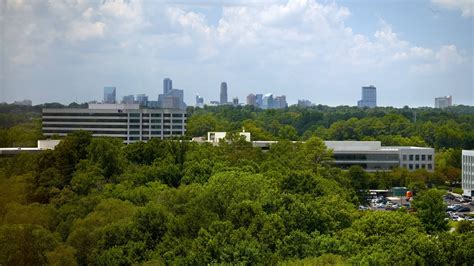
<point x="70" y="151"/>
<point x="288" y="132"/>
<point x="107" y="154"/>
<point x="62" y="255"/>
<point x="25" y="244"/>
<point x="431" y="210"/>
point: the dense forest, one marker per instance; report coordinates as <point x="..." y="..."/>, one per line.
<point x="98" y="201"/>
<point x="448" y="128"/>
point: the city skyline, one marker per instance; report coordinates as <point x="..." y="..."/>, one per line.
<point x="293" y="48"/>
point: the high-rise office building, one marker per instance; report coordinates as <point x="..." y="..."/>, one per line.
<point x="304" y="103"/>
<point x="199" y="101"/>
<point x="235" y="101"/>
<point x="443" y="102"/>
<point x="280" y="102"/>
<point x="171" y="98"/>
<point x="369" y="97"/>
<point x="223" y="98"/>
<point x="129" y="99"/>
<point x="252" y="99"/>
<point x="109" y="95"/>
<point x="259" y="99"/>
<point x="142" y="99"/>
<point x="167" y="85"/>
<point x="267" y="101"/>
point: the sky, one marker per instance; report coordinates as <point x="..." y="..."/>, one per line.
<point x="323" y="51"/>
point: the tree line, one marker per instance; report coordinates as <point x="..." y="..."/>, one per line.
<point x="98" y="201"/>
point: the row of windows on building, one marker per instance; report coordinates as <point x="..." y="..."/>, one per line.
<point x="411" y="166"/>
<point x="417" y="157"/>
<point x="112" y="133"/>
<point x="115" y="114"/>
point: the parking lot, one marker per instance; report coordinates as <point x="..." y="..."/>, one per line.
<point x="456" y="210"/>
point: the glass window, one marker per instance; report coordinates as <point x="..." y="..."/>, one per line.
<point x="166" y="121"/>
<point x="156" y="126"/>
<point x="167" y="115"/>
<point x="156" y="121"/>
<point x="417" y="157"/>
<point x="134" y="126"/>
<point x="430" y="166"/>
<point x="423" y="157"/>
<point x="404" y="157"/>
<point x="423" y="165"/>
<point x="177" y="115"/>
<point x="155" y="115"/>
<point x="410" y="166"/>
<point x="134" y="120"/>
<point x="135" y="115"/>
<point x="177" y="121"/>
<point x="411" y="157"/>
<point x="134" y="132"/>
<point x="417" y="166"/>
<point x="146" y="115"/>
<point x="430" y="157"/>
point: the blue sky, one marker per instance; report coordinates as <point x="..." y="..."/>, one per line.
<point x="324" y="51"/>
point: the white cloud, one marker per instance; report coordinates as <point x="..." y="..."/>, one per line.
<point x="465" y="6"/>
<point x="80" y="31"/>
<point x="306" y="38"/>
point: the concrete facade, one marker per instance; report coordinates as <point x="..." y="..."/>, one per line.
<point x="468" y="173"/>
<point x="126" y="121"/>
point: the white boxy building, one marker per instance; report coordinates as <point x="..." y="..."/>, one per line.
<point x="372" y="156"/>
<point x="126" y="121"/>
<point x="468" y="173"/>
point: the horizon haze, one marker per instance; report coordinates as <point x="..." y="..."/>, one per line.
<point x="323" y="51"/>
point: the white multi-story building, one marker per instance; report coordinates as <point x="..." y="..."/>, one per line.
<point x="126" y="121"/>
<point x="468" y="173"/>
<point x="443" y="102"/>
<point x="372" y="156"/>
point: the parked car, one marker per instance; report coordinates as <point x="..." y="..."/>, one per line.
<point x="463" y="209"/>
<point x="453" y="207"/>
<point x="449" y="196"/>
<point x="469" y="218"/>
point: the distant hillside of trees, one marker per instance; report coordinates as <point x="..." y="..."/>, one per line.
<point x="97" y="201"/>
<point x="448" y="128"/>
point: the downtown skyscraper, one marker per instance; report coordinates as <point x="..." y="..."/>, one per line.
<point x="223" y="98"/>
<point x="369" y="97"/>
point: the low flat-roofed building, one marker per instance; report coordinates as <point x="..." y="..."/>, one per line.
<point x="372" y="156"/>
<point x="126" y="121"/>
<point x="215" y="137"/>
<point x="468" y="173"/>
<point x="42" y="145"/>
